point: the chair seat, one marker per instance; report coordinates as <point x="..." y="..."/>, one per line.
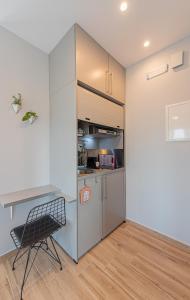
<point x="36" y="230"/>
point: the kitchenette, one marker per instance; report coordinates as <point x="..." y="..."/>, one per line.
<point x="87" y="147"/>
<point x="101" y="194"/>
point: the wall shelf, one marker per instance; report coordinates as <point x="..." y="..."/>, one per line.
<point x="11" y="199"/>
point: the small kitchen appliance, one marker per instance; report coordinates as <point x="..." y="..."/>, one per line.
<point x="106" y="161"/>
<point x="118" y="158"/>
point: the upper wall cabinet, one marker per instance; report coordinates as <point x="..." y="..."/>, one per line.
<point x="116" y="80"/>
<point x="96" y="109"/>
<point x="92" y="62"/>
<point x="97" y="69"/>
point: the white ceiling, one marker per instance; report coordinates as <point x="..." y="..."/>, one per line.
<point x="44" y="22"/>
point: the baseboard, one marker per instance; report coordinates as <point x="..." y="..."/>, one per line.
<point x="7" y="254"/>
<point x="67" y="253"/>
<point x="13" y="252"/>
<point x="160" y="234"/>
<point x="128" y="221"/>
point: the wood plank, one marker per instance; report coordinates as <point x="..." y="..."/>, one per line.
<point x="132" y="263"/>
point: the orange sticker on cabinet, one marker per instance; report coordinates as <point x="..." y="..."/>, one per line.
<point x="85" y="194"/>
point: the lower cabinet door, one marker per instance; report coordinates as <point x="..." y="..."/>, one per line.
<point x="89" y="216"/>
<point x="113" y="201"/>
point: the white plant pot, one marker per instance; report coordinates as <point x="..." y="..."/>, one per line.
<point x="16" y="108"/>
<point x="32" y="119"/>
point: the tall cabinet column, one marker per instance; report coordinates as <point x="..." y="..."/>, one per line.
<point x="63" y="126"/>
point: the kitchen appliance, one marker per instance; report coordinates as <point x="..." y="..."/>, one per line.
<point x="91" y="162"/>
<point x="106" y="161"/>
<point x="98" y="131"/>
<point x="111" y="159"/>
<point x="118" y="158"/>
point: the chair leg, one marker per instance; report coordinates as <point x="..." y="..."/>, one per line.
<point x="27" y="262"/>
<point x="25" y="272"/>
<point x="13" y="265"/>
<point x="17" y="257"/>
<point x="47" y="248"/>
<point x="61" y="268"/>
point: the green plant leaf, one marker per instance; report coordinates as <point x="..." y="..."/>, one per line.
<point x="28" y="115"/>
<point x="17" y="100"/>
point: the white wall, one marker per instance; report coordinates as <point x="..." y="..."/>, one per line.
<point x="158" y="172"/>
<point x="24" y="150"/>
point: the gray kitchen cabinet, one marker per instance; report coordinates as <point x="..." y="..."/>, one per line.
<point x="62" y="63"/>
<point x="97" y="69"/>
<point x="84" y="222"/>
<point x="90" y="216"/>
<point x="117" y="78"/>
<point x="63" y="160"/>
<point x="91" y="61"/>
<point x="96" y="109"/>
<point x="113" y="201"/>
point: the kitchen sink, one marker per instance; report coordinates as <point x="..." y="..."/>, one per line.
<point x="85" y="171"/>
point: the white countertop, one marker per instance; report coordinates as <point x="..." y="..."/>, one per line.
<point x="18" y="197"/>
<point x="99" y="172"/>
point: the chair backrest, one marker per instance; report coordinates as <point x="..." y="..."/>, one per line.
<point x="43" y="220"/>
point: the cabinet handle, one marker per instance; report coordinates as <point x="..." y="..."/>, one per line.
<point x="107" y="81"/>
<point x="110" y="82"/>
<point x="105" y="186"/>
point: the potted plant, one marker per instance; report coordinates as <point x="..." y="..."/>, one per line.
<point x="17" y="103"/>
<point x="30" y="116"/>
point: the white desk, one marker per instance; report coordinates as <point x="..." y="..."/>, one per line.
<point x="12" y="199"/>
<point x="22" y="196"/>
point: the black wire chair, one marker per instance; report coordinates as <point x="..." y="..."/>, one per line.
<point x="42" y="221"/>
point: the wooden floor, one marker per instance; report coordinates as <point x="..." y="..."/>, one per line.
<point x="132" y="263"/>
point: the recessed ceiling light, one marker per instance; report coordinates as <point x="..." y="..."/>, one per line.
<point x="146" y="44"/>
<point x="123" y="6"/>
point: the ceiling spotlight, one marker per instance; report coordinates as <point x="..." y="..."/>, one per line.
<point x="123" y="6"/>
<point x="146" y="44"/>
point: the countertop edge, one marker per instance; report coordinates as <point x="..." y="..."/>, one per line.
<point x="99" y="173"/>
<point x="23" y="196"/>
<point x="67" y="198"/>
